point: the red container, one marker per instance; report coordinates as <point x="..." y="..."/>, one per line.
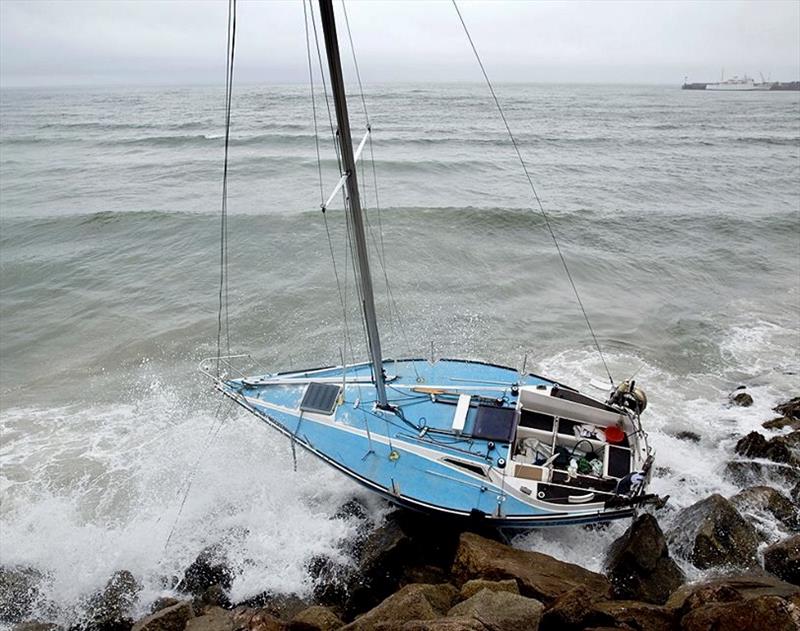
<point x="614" y="434"/>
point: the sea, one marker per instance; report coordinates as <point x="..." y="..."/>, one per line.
<point x="677" y="212"/>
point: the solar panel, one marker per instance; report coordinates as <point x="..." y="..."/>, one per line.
<point x="320" y="398"/>
<point x="494" y="423"/>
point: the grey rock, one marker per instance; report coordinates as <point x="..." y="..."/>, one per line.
<point x="778" y="448"/>
<point x="639" y="565"/>
<point x="741" y="398"/>
<point x="209" y="568"/>
<point x="109" y="610"/>
<point x="19" y="590"/>
<point x="750" y="472"/>
<point x="783" y="559"/>
<point x="770" y="501"/>
<point x="712" y="533"/>
<point x="687" y="435"/>
<point x="790" y="408"/>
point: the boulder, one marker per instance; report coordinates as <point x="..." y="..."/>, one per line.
<point x="412" y="602"/>
<point x="634" y="614"/>
<point x="687" y="435"/>
<point x="406" y="548"/>
<point x="315" y="618"/>
<point x="781" y="422"/>
<point x="569" y="610"/>
<point x="172" y="618"/>
<point x="729" y="589"/>
<point x="500" y="611"/>
<point x="783" y="559"/>
<point x="763" y="612"/>
<point x="712" y="533"/>
<point x="455" y="623"/>
<point x="538" y="575"/>
<point x="470" y="588"/>
<point x="35" y="625"/>
<point x="214" y="619"/>
<point x="750" y="472"/>
<point x="247" y="618"/>
<point x="776" y="449"/>
<point x="741" y="398"/>
<point x="162" y="603"/>
<point x="282" y="606"/>
<point x="19" y="591"/>
<point x="790" y="408"/>
<point x="639" y="566"/>
<point x="208" y="569"/>
<point x="765" y="499"/>
<point x="109" y="610"/>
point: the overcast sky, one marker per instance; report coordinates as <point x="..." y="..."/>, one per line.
<point x="183" y="42"/>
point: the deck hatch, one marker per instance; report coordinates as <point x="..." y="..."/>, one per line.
<point x="320" y="398"/>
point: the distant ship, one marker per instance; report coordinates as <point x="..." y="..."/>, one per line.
<point x="745" y="84"/>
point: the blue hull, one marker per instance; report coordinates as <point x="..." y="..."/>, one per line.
<point x="452" y="443"/>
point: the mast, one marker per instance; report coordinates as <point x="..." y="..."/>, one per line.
<point x="354" y="201"/>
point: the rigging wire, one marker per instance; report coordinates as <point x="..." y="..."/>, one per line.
<point x="342" y="300"/>
<point x="380" y="251"/>
<point x="223" y="241"/>
<point x="535" y="194"/>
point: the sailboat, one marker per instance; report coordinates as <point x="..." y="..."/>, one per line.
<point x="453" y="437"/>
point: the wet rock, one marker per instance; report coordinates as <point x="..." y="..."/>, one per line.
<point x="741" y="398"/>
<point x="712" y="533"/>
<point x="630" y="613"/>
<point x="729" y="589"/>
<point x="796" y="494"/>
<point x="315" y="618"/>
<point x="689" y="436"/>
<point x="569" y="610"/>
<point x="639" y="565"/>
<point x="790" y="408"/>
<point x="412" y="602"/>
<point x="214" y="619"/>
<point x="500" y="611"/>
<point x="214" y="596"/>
<point x="765" y="499"/>
<point x="470" y="588"/>
<point x="19" y="591"/>
<point x="455" y="623"/>
<point x="353" y="508"/>
<point x="109" y="610"/>
<point x="777" y="448"/>
<point x="209" y="568"/>
<point x="763" y="612"/>
<point x="250" y="619"/>
<point x="749" y="472"/>
<point x="35" y="625"/>
<point x="781" y="422"/>
<point x="163" y="603"/>
<point x="783" y="559"/>
<point x="425" y="574"/>
<point x="172" y="618"/>
<point x="282" y="606"/>
<point x="538" y="575"/>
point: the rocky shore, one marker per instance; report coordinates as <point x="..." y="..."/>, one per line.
<point x="413" y="573"/>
